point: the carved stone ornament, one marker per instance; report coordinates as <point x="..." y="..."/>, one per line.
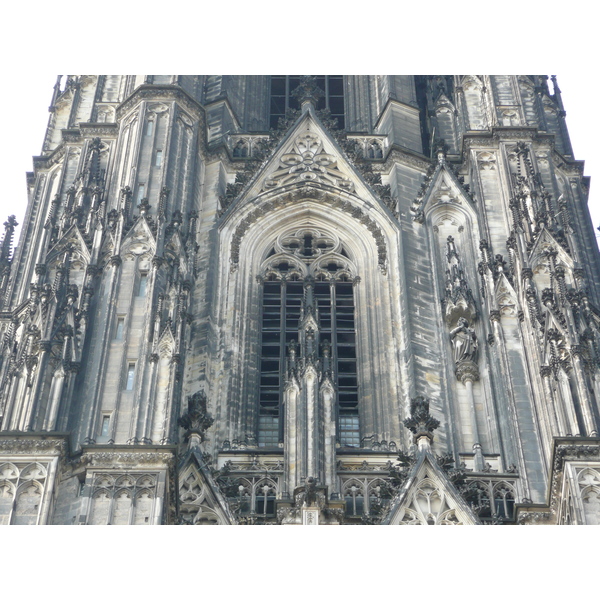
<point x="105" y="459"/>
<point x="464" y="342"/>
<point x="420" y="422"/>
<point x="305" y="193"/>
<point x="308" y="162"/>
<point x="196" y="420"/>
<point x="308" y="90"/>
<point x="33" y="446"/>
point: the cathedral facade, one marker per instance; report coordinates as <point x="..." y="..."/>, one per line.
<point x="302" y="300"/>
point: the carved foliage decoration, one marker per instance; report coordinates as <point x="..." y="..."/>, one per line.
<point x="308" y="161"/>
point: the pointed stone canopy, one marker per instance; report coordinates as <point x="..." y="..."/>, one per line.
<point x="442" y="188"/>
<point x="201" y="501"/>
<point x="428" y="497"/>
<point x="546" y="238"/>
<point x="307" y="154"/>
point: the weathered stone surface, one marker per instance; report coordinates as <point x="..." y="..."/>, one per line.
<point x="247" y="314"/>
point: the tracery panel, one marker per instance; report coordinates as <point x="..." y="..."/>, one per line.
<point x="308" y="272"/>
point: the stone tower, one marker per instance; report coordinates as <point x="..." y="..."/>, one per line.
<point x="302" y="300"/>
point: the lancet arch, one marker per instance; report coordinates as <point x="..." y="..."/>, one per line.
<point x="269" y="249"/>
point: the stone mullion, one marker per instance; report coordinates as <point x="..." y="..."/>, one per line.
<point x="164" y="185"/>
<point x="144" y="424"/>
<point x="40" y="378"/>
<point x="568" y="403"/>
<point x="144" y="429"/>
<point x="8" y="417"/>
<point x="135" y="147"/>
<point x="585" y="402"/>
<point x="143" y="354"/>
<point x="48" y="489"/>
<point x="54" y="396"/>
<point x="245" y="411"/>
<point x="500" y="400"/>
<point x="517" y="455"/>
<point x="557" y="416"/>
<point x="188" y="168"/>
<point x="367" y="420"/>
<point x="171" y="406"/>
<point x="103" y="348"/>
<point x="30" y="232"/>
<point x="282" y="361"/>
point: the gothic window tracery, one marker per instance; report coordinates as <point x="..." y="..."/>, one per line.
<point x="253" y="496"/>
<point x="21" y="492"/>
<point x="123" y="500"/>
<point x="308" y="272"/>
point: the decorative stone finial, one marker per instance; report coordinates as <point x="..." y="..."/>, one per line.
<point x="420" y="422"/>
<point x="196" y="420"/>
<point x="308" y="92"/>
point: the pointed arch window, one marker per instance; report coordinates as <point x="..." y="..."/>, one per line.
<point x="308" y="272"/>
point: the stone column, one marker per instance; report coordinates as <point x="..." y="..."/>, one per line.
<point x="558" y="421"/>
<point x="467" y="372"/>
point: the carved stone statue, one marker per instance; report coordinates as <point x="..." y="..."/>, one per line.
<point x="464" y="342"/>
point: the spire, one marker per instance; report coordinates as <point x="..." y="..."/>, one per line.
<point x="6" y="244"/>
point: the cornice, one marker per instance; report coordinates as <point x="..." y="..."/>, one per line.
<point x="103" y="456"/>
<point x="105" y="130"/>
<point x="161" y="92"/>
<point x="404" y="156"/>
<point x="42" y="443"/>
<point x="389" y="103"/>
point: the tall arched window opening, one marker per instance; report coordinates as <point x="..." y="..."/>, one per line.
<point x="308" y="272"/>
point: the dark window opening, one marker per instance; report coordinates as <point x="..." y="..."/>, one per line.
<point x="282" y="87"/>
<point x="281" y="311"/>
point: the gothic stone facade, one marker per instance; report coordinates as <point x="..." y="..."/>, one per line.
<point x="299" y="300"/>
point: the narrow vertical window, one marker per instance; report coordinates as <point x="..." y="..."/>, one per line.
<point x="158" y="158"/>
<point x="283" y="304"/>
<point x="141" y="191"/>
<point x="149" y="128"/>
<point x="105" y="425"/>
<point x="130" y="376"/>
<point x="120" y="327"/>
<point x="142" y="285"/>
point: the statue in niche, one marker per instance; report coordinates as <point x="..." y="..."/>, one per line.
<point x="464" y="342"/>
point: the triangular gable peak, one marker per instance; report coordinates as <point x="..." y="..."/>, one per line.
<point x="72" y="237"/>
<point x="444" y="190"/>
<point x="200" y="500"/>
<point x="506" y="297"/>
<point x="429" y="498"/>
<point x="554" y="345"/>
<point x="546" y="241"/>
<point x="443" y="101"/>
<point x="307" y="154"/>
<point x="139" y="239"/>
